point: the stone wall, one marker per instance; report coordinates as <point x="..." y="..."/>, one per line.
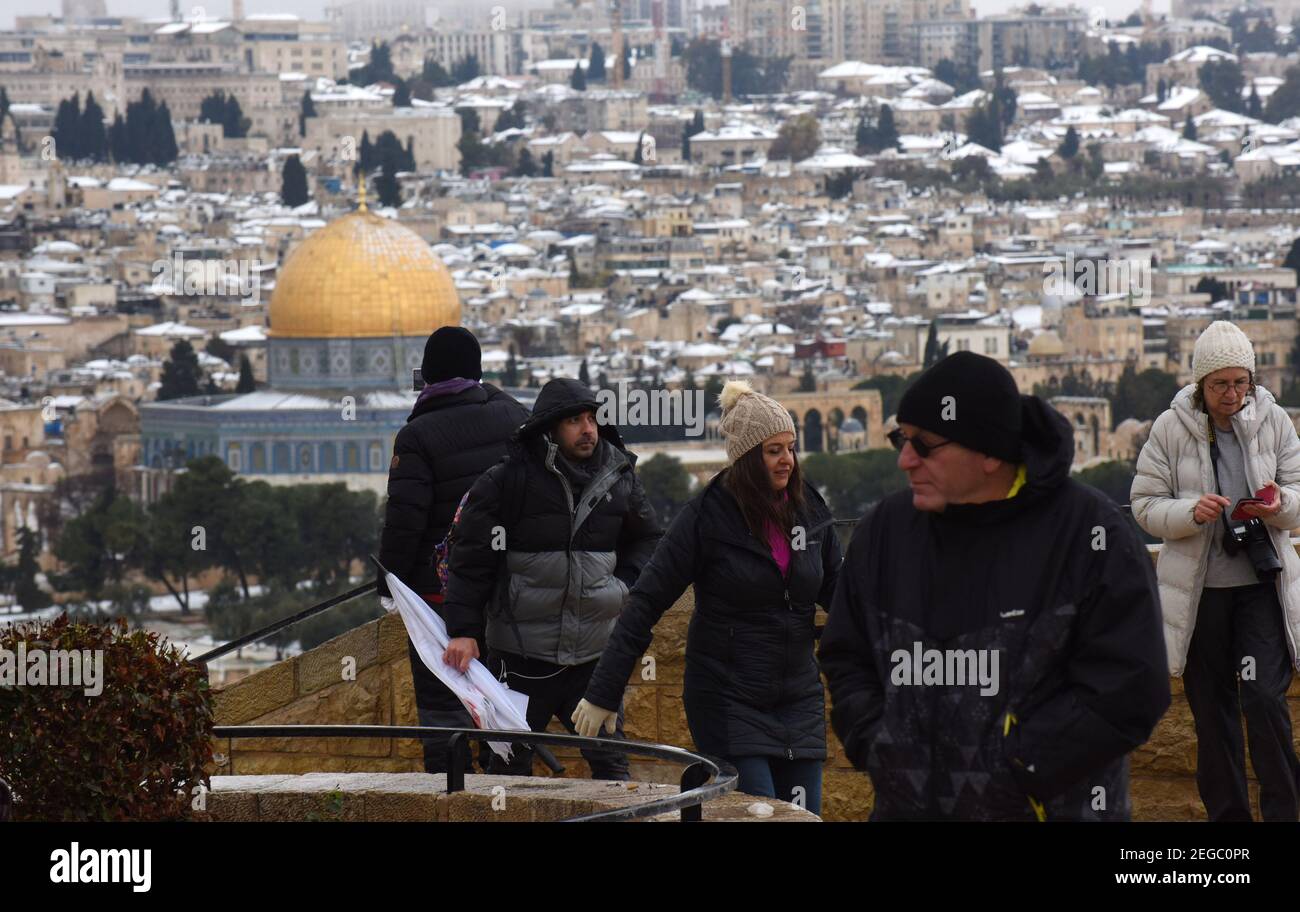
<point x="311" y="688"/>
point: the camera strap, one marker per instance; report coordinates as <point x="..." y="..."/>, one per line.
<point x="1214" y="464"/>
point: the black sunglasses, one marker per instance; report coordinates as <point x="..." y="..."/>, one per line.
<point x="923" y="449"/>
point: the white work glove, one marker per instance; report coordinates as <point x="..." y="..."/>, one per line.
<point x="387" y="604"/>
<point x="588" y="719"/>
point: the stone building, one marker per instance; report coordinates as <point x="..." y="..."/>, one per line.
<point x="353" y="306"/>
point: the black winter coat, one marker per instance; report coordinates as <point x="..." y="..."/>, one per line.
<point x="569" y="558"/>
<point x="752" y="686"/>
<point x="445" y="445"/>
<point x="1056" y="581"/>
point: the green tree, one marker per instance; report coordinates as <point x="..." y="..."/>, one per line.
<point x="464" y="70"/>
<point x="307" y="109"/>
<point x="100" y="545"/>
<point x="1143" y="396"/>
<point x="26" y="591"/>
<point x="526" y="167"/>
<point x="578" y="79"/>
<point x="67" y="128"/>
<point x="1223" y="81"/>
<point x="1284" y="103"/>
<point x="387" y="187"/>
<point x="94" y="138"/>
<point x="807" y="382"/>
<point x="596" y="64"/>
<point x="891" y="388"/>
<point x="246" y="382"/>
<point x="886" y="132"/>
<point x="435" y="74"/>
<point x="667" y="485"/>
<point x="401" y="94"/>
<point x="1292" y="260"/>
<point x="797" y="139"/>
<point x="1070" y="145"/>
<point x="851" y="482"/>
<point x="293" y="182"/>
<point x="181" y="374"/>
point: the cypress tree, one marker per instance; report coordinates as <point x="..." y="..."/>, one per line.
<point x="293" y="182"/>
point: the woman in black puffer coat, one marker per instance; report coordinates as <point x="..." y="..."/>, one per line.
<point x="759" y="547"/>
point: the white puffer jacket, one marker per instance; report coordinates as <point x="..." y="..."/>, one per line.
<point x="1174" y="471"/>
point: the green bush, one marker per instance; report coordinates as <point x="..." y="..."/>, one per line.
<point x="134" y="751"/>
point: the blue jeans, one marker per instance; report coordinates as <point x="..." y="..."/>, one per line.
<point x="774" y="777"/>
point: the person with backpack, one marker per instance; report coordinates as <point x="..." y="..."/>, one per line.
<point x="759" y="546"/>
<point x="458" y="428"/>
<point x="548" y="545"/>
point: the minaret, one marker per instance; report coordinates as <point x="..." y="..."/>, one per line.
<point x="237" y="11"/>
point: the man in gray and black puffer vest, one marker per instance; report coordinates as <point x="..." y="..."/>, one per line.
<point x="577" y="530"/>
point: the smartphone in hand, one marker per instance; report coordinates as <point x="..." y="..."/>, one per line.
<point x="1263" y="497"/>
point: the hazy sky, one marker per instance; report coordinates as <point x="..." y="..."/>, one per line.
<point x="315" y="8"/>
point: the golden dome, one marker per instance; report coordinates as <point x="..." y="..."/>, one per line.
<point x="362" y="276"/>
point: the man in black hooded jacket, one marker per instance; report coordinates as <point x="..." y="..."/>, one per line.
<point x="994" y="648"/>
<point x="547" y="548"/>
<point x="458" y="428"/>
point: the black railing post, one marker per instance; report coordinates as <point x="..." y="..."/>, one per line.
<point x="694" y="776"/>
<point x="6" y="802"/>
<point x="457" y="760"/>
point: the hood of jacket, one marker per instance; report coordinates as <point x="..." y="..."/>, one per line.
<point x="1047" y="451"/>
<point x="561" y="398"/>
<point x="1246" y="422"/>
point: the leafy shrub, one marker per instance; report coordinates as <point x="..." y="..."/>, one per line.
<point x="134" y="751"/>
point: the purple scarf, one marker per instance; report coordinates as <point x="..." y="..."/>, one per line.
<point x="446" y="388"/>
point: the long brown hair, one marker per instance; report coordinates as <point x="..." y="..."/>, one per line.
<point x="749" y="483"/>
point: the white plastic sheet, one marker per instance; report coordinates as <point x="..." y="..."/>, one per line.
<point x="490" y="703"/>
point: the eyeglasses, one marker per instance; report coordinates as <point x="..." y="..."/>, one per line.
<point x="923" y="449"/>
<point x="1221" y="386"/>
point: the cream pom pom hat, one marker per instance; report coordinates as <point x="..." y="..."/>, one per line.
<point x="749" y="418"/>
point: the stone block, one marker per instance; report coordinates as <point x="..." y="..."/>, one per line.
<point x="392" y="639"/>
<point x="410" y="807"/>
<point x="324" y="666"/>
<point x="361" y="702"/>
<point x="336" y="806"/>
<point x="641" y="713"/>
<point x="672" y="717"/>
<point x="1165" y="798"/>
<point x="255" y="695"/>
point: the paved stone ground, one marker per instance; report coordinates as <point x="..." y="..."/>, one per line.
<point x="422" y="797"/>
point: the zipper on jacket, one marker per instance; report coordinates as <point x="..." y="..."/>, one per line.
<point x="568" y="546"/>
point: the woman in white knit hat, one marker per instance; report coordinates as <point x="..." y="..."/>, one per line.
<point x="758" y="545"/>
<point x="1229" y="584"/>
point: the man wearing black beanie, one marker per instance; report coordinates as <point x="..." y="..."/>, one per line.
<point x="994" y="648"/>
<point x="458" y="428"/>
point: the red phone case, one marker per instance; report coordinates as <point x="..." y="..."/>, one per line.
<point x="1262" y="496"/>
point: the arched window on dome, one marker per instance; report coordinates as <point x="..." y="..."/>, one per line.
<point x="280" y="458"/>
<point x="328" y="458"/>
<point x="353" y="457"/>
<point x="376" y="457"/>
<point x="257" y="457"/>
<point x="304" y="458"/>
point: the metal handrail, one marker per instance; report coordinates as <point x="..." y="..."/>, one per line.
<point x="696" y="787"/>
